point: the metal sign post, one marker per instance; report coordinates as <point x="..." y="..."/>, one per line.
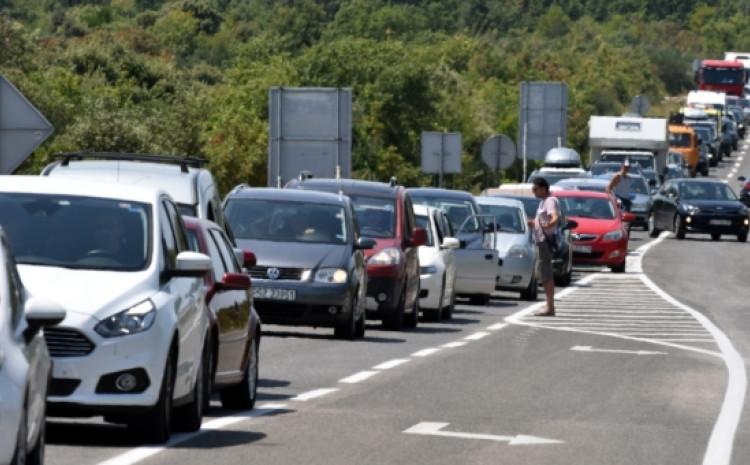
<point x="441" y="153"/>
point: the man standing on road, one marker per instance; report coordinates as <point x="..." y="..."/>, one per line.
<point x="620" y="185"/>
<point x="546" y="234"/>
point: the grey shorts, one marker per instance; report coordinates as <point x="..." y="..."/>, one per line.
<point x="544" y="270"/>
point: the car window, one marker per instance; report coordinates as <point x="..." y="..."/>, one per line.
<point x="707" y="191"/>
<point x="458" y="211"/>
<point x="218" y="268"/>
<point x="376" y="216"/>
<point x="187" y="209"/>
<point x="424" y="222"/>
<point x="77" y="232"/>
<point x="178" y="226"/>
<point x="438" y="227"/>
<point x="508" y="219"/>
<point x="227" y="251"/>
<point x="169" y="243"/>
<point x="193" y="242"/>
<point x="447" y="226"/>
<point x="410" y="222"/>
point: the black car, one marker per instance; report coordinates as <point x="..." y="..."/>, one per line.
<point x="310" y="265"/>
<point x="698" y="206"/>
<point x="563" y="260"/>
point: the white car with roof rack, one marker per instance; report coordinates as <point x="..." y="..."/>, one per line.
<point x="132" y="346"/>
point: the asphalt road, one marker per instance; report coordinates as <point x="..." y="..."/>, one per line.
<point x="623" y="375"/>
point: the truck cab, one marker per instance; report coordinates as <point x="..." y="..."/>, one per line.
<point x="683" y="140"/>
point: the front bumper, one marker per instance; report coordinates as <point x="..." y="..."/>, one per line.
<point x="703" y="224"/>
<point x="316" y="304"/>
<point x="641" y="217"/>
<point x="515" y="274"/>
<point x="602" y="253"/>
<point x="11" y="402"/>
<point x="430" y="290"/>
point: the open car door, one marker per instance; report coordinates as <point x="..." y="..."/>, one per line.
<point x="476" y="259"/>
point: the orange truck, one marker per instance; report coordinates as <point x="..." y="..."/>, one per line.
<point x="683" y="140"/>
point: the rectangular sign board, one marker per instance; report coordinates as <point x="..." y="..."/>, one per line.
<point x="543" y="118"/>
<point x="441" y="152"/>
<point x="310" y="129"/>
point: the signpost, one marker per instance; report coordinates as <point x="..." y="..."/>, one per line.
<point x="499" y="152"/>
<point x="543" y="119"/>
<point x="441" y="153"/>
<point x="22" y="127"/>
<point x="640" y="105"/>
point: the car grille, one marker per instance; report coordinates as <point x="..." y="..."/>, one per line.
<point x="723" y="211"/>
<point x="286" y="274"/>
<point x="65" y="342"/>
<point x="583" y="237"/>
<point x="62" y="387"/>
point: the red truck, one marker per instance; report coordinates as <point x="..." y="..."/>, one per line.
<point x="721" y="76"/>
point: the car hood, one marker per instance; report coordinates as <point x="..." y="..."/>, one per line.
<point x="641" y="199"/>
<point x="295" y="254"/>
<point x="504" y="242"/>
<point x="593" y="226"/>
<point x="728" y="204"/>
<point x="95" y="293"/>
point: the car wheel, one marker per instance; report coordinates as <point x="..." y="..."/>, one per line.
<point x="36" y="454"/>
<point x="618" y="268"/>
<point x="651" y="225"/>
<point x="715" y="237"/>
<point x="19" y="457"/>
<point x="742" y="237"/>
<point x="448" y="311"/>
<point x="359" y="331"/>
<point x="395" y="321"/>
<point x="242" y="396"/>
<point x="411" y="320"/>
<point x="188" y="418"/>
<point x="479" y="300"/>
<point x="532" y="292"/>
<point x="679" y="227"/>
<point x="348" y="328"/>
<point x="156" y="425"/>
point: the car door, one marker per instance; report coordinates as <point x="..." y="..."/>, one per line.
<point x="669" y="206"/>
<point x="476" y="260"/>
<point x="446" y="256"/>
<point x="658" y="205"/>
<point x="408" y="222"/>
<point x="232" y="308"/>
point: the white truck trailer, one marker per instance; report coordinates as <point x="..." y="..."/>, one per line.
<point x="640" y="140"/>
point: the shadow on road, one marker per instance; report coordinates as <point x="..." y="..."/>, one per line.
<point x="218" y="439"/>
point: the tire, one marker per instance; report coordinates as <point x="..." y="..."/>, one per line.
<point x="155" y="426"/>
<point x="348" y="329"/>
<point x="36" y="455"/>
<point x="411" y="320"/>
<point x="653" y="231"/>
<point x="564" y="280"/>
<point x="742" y="237"/>
<point x="19" y="457"/>
<point x="436" y="314"/>
<point x="679" y="227"/>
<point x="479" y="300"/>
<point x="448" y="311"/>
<point x="618" y="268"/>
<point x="532" y="292"/>
<point x="189" y="418"/>
<point x="395" y="321"/>
<point x="715" y="237"/>
<point x="361" y="326"/>
<point x="243" y="395"/>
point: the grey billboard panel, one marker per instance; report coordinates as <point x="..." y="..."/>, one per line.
<point x="22" y="127"/>
<point x="441" y="152"/>
<point x="310" y="129"/>
<point x="543" y="117"/>
<point x="499" y="152"/>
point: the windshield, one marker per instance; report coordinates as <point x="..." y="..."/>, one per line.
<point x="424" y="223"/>
<point x="77" y="232"/>
<point x="507" y="218"/>
<point x="376" y="216"/>
<point x="706" y="191"/>
<point x="679" y="139"/>
<point x="456" y="209"/>
<point x="723" y="76"/>
<point x="639" y="185"/>
<point x="585" y="207"/>
<point x="285" y="221"/>
<point x="645" y="161"/>
<point x="704" y="133"/>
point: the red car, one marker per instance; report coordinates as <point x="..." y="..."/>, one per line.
<point x="235" y="326"/>
<point x="600" y="235"/>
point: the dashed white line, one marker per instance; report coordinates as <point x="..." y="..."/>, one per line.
<point x="358" y="377"/>
<point x="476" y="336"/>
<point x="314" y="394"/>
<point x="425" y="352"/>
<point x="390" y="364"/>
<point x="497" y="326"/>
<point x="453" y="345"/>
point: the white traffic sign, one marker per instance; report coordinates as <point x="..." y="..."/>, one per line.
<point x="22" y="127"/>
<point x="499" y="152"/>
<point x="430" y="428"/>
<point x="616" y="351"/>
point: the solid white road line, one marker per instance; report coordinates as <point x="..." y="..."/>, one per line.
<point x="358" y="377"/>
<point x="425" y="352"/>
<point x="314" y="394"/>
<point x="453" y="345"/>
<point x="476" y="336"/>
<point x="141" y="453"/>
<point x="616" y="351"/>
<point x="390" y="364"/>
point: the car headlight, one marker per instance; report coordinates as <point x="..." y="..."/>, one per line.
<point x="331" y="275"/>
<point x="613" y="236"/>
<point x="136" y="319"/>
<point x="388" y="256"/>
<point x="427" y="269"/>
<point x="691" y="209"/>
<point x="518" y="251"/>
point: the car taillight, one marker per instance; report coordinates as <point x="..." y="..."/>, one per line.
<point x="747" y="186"/>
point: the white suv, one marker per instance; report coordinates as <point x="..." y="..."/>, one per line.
<point x="132" y="346"/>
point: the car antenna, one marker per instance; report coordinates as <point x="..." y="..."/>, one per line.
<point x="303" y="175"/>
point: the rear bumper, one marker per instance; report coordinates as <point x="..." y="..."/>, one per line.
<point x="605" y="254"/>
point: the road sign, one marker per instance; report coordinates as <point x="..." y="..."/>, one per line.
<point x="441" y="153"/>
<point x="310" y="129"/>
<point x="430" y="428"/>
<point x="640" y="105"/>
<point x="543" y="119"/>
<point x="499" y="152"/>
<point x="22" y="127"/>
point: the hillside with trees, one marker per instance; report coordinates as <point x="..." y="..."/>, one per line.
<point x="192" y="76"/>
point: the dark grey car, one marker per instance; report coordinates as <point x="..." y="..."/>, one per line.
<point x="310" y="266"/>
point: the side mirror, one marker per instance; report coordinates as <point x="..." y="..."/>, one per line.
<point x="418" y="237"/>
<point x="365" y="243"/>
<point x="235" y="282"/>
<point x="461" y="244"/>
<point x="571" y="224"/>
<point x="451" y="243"/>
<point x="628" y="217"/>
<point x="39" y="313"/>
<point x="191" y="265"/>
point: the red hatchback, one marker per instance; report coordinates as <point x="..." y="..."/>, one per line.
<point x="601" y="234"/>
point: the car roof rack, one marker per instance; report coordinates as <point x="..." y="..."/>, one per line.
<point x="183" y="161"/>
<point x="393" y="181"/>
<point x="303" y="175"/>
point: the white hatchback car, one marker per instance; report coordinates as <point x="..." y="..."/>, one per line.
<point x="437" y="264"/>
<point x="24" y="365"/>
<point x="132" y="346"/>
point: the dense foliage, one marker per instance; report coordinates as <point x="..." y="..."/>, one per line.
<point x="192" y="76"/>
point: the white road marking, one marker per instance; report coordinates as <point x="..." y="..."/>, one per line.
<point x="616" y="351"/>
<point x="430" y="428"/>
<point x="314" y="394"/>
<point x="141" y="453"/>
<point x="390" y="364"/>
<point x="358" y="377"/>
<point x="453" y="345"/>
<point x="497" y="326"/>
<point x="425" y="352"/>
<point x="477" y="336"/>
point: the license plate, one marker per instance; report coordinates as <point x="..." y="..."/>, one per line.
<point x="272" y="293"/>
<point x="721" y="222"/>
<point x="582" y="248"/>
